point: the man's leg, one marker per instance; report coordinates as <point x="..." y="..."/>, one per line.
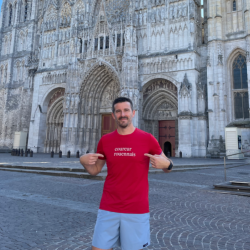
<point x="107" y="231"/>
<point x="135" y="231"/>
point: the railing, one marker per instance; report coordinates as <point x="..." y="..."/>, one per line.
<point x="225" y="172"/>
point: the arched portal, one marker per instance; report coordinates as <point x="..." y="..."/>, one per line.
<point x="54" y="122"/>
<point x="99" y="89"/>
<point x="160" y="110"/>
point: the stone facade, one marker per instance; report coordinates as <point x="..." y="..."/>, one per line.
<point x="63" y="62"/>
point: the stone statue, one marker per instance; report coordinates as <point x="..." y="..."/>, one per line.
<point x="184" y="10"/>
<point x="77" y="100"/>
<point x="68" y="101"/>
<point x="134" y="36"/>
<point x="140" y="18"/>
<point x="153" y="17"/>
<point x="72" y="102"/>
<point x="128" y="35"/>
<point x="163" y="14"/>
<point x="145" y="18"/>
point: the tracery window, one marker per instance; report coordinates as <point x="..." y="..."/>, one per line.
<point x="80" y="49"/>
<point x="25" y="10"/>
<point x="240" y="88"/>
<point x="10" y="14"/>
<point x="118" y="40"/>
<point x="107" y="42"/>
<point x="234" y="5"/>
<point x="101" y="42"/>
<point x="96" y="44"/>
<point x="85" y="45"/>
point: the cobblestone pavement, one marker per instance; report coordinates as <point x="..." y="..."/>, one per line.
<point x="46" y="212"/>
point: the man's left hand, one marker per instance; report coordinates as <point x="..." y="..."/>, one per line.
<point x="158" y="161"/>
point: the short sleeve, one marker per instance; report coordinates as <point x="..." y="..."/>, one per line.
<point x="100" y="150"/>
<point x="155" y="148"/>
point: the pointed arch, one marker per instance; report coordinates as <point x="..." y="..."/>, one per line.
<point x="79" y="7"/>
<point x="65" y="10"/>
<point x="51" y="13"/>
<point x="237" y="108"/>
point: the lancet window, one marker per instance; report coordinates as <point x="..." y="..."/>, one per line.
<point x="25" y="10"/>
<point x="240" y="88"/>
<point x="107" y="42"/>
<point x="10" y="14"/>
<point x="234" y="6"/>
<point x="80" y="49"/>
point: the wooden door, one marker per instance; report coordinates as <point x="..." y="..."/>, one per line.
<point x="167" y="137"/>
<point x="108" y="124"/>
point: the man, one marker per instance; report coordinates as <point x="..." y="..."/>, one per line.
<point x="123" y="217"/>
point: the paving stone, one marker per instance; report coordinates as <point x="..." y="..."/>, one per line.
<point x="47" y="212"/>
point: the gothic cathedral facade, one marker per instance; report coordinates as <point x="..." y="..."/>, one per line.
<point x="184" y="63"/>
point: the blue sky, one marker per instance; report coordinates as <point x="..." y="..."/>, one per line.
<point x="0" y="4"/>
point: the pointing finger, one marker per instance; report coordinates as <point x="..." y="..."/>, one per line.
<point x="98" y="155"/>
<point x="149" y="155"/>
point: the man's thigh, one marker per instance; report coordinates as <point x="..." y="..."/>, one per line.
<point x="134" y="231"/>
<point x="106" y="234"/>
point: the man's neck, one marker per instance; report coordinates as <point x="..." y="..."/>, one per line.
<point x="126" y="131"/>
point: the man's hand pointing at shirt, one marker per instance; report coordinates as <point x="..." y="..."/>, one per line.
<point x="160" y="162"/>
<point x="92" y="164"/>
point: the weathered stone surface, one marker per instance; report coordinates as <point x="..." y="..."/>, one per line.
<point x="96" y="52"/>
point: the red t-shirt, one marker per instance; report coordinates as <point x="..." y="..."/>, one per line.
<point x="126" y="186"/>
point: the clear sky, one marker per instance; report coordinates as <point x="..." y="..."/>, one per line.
<point x="0" y="4"/>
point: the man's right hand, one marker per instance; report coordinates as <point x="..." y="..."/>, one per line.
<point x="92" y="164"/>
<point x="91" y="159"/>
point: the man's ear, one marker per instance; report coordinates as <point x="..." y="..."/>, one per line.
<point x="133" y="113"/>
<point x="113" y="115"/>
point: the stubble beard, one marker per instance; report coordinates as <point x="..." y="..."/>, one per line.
<point x="123" y="125"/>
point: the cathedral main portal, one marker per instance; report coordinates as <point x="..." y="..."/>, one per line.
<point x="160" y="110"/>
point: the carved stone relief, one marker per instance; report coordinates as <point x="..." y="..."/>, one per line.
<point x="160" y="84"/>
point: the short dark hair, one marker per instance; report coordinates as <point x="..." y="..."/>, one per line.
<point x="121" y="99"/>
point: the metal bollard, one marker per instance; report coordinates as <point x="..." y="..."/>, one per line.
<point x="31" y="153"/>
<point x="68" y="154"/>
<point x="168" y="154"/>
<point x="52" y="154"/>
<point x="21" y="152"/>
<point x="77" y="154"/>
<point x="60" y="154"/>
<point x="18" y="152"/>
<point x="180" y="154"/>
<point x="26" y="153"/>
<point x="12" y="152"/>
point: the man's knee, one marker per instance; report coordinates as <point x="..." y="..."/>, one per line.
<point x="96" y="248"/>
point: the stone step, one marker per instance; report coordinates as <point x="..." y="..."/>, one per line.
<point x="240" y="183"/>
<point x="77" y="174"/>
<point x="45" y="168"/>
<point x="229" y="187"/>
<point x="85" y="175"/>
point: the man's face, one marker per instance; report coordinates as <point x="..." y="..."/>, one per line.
<point x="123" y="114"/>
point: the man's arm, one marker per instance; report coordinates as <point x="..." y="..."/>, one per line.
<point x="92" y="164"/>
<point x="160" y="162"/>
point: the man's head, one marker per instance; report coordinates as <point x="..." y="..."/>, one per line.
<point x="123" y="112"/>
